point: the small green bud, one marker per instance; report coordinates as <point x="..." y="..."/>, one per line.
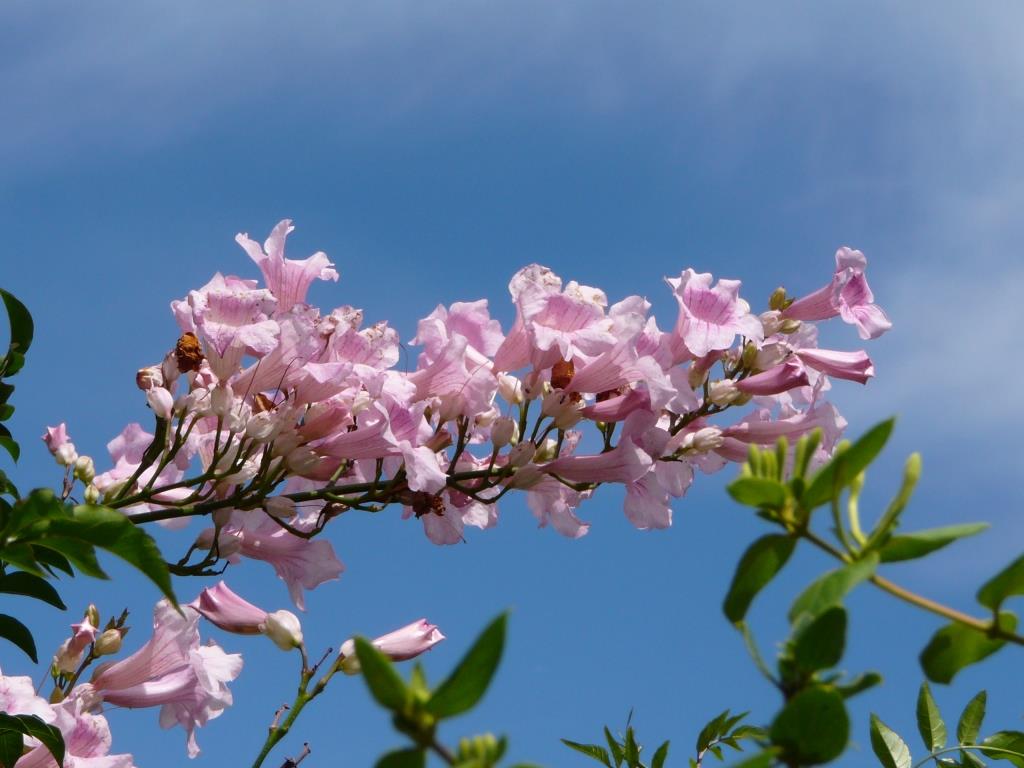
<point x="777" y="300"/>
<point x="107" y="643"/>
<point x="789" y="326"/>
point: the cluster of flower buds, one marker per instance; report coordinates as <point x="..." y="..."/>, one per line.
<point x="272" y="417"/>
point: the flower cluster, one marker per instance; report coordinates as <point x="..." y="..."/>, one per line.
<point x="272" y="418"/>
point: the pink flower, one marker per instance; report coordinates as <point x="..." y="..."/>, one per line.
<point x="781" y="378"/>
<point x="59" y="445"/>
<point x="555" y="503"/>
<point x="471" y="320"/>
<point x="87" y="741"/>
<point x="222" y="607"/>
<point x="188" y="681"/>
<point x="18" y="697"/>
<point x="287" y="279"/>
<point x="626" y="463"/>
<point x="401" y="645"/>
<point x="854" y="366"/>
<point x="710" y="318"/>
<point x="848" y="295"/>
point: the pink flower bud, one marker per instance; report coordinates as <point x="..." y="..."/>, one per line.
<point x="522" y="454"/>
<point x="149" y="377"/>
<point x="723" y="392"/>
<point x="279" y="506"/>
<point x="223" y="608"/>
<point x="504" y="431"/>
<point x="161" y="401"/>
<point x="401" y="645"/>
<point x="221" y="400"/>
<point x="510" y="388"/>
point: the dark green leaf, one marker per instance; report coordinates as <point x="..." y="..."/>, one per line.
<point x="812" y="728"/>
<point x="600" y="754"/>
<point x="13" y="630"/>
<point x="20" y="322"/>
<point x="112" y="531"/>
<point x="403" y="758"/>
<point x="32" y="726"/>
<point x="758" y="566"/>
<point x="830" y="589"/>
<point x="20" y="583"/>
<point x="8" y="444"/>
<point x="630" y="749"/>
<point x="613" y="747"/>
<point x="845" y="466"/>
<point x="929" y="720"/>
<point x="956" y="646"/>
<point x="1011" y="741"/>
<point x="382" y="678"/>
<point x="973" y="716"/>
<point x="820" y="644"/>
<point x="12" y="745"/>
<point x="910" y="546"/>
<point x="758" y="492"/>
<point x="6" y="486"/>
<point x="468" y="682"/>
<point x="658" y="761"/>
<point x="1006" y="583"/>
<point x="22" y="556"/>
<point x="80" y="554"/>
<point x="51" y="559"/>
<point x="712" y="730"/>
<point x="765" y="759"/>
<point x="890" y="749"/>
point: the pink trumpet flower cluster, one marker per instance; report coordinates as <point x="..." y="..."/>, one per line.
<point x="271" y="417"/>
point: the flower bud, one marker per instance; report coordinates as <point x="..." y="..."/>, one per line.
<point x="279" y="506"/>
<point x="504" y="431"/>
<point x="284" y="629"/>
<point x="770" y="322"/>
<point x="149" y="377"/>
<point x="401" y="645"/>
<point x="510" y="388"/>
<point x="169" y="369"/>
<point x="85" y="470"/>
<point x="723" y="392"/>
<point x="563" y="408"/>
<point x="92" y="494"/>
<point x="92" y="613"/>
<point x="108" y="643"/>
<point x="533" y="386"/>
<point x="221" y="400"/>
<point x="777" y="300"/>
<point x="545" y="451"/>
<point x="302" y="460"/>
<point x="521" y="454"/>
<point x="66" y="455"/>
<point x="789" y="326"/>
<point x="161" y="401"/>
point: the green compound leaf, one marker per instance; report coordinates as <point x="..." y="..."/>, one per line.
<point x="469" y="681"/>
<point x="889" y="748"/>
<point x="813" y="728"/>
<point x="758" y="566"/>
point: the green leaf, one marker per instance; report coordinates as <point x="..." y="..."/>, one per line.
<point x="820" y="644"/>
<point x="110" y="530"/>
<point x="600" y="754"/>
<point x="758" y="566"/>
<point x="765" y="759"/>
<point x="973" y="716"/>
<point x="613" y="747"/>
<point x="468" y="682"/>
<point x="22" y="556"/>
<point x="956" y="646"/>
<point x="929" y="720"/>
<point x="403" y="758"/>
<point x="630" y="749"/>
<point x="1012" y="741"/>
<point x="812" y="728"/>
<point x="910" y="546"/>
<point x="381" y="677"/>
<point x="890" y="749"/>
<point x="12" y="745"/>
<point x="13" y="630"/>
<point x="8" y="444"/>
<point x="21" y="583"/>
<point x="1006" y="583"/>
<point x="20" y="320"/>
<point x="51" y="560"/>
<point x="845" y="466"/>
<point x="32" y="726"/>
<point x="658" y="760"/>
<point x="78" y="553"/>
<point x="758" y="492"/>
<point x="830" y="589"/>
<point x="859" y="684"/>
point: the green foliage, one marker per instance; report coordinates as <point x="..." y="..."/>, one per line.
<point x="624" y="751"/>
<point x="910" y="546"/>
<point x="889" y="748"/>
<point x="383" y="680"/>
<point x="929" y="722"/>
<point x="758" y="566"/>
<point x="1011" y="741"/>
<point x="971" y="718"/>
<point x="21" y="331"/>
<point x="470" y="679"/>
<point x="956" y="646"/>
<point x="846" y="466"/>
<point x="1007" y="583"/>
<point x="820" y="642"/>
<point x="812" y="728"/>
<point x="14" y="727"/>
<point x="403" y="758"/>
<point x="830" y="589"/>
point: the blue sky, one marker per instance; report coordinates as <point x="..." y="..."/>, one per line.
<point x="433" y="149"/>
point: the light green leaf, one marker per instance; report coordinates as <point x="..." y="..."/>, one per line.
<point x="381" y="677"/>
<point x="973" y="716"/>
<point x="830" y="589"/>
<point x="600" y="754"/>
<point x="658" y="761"/>
<point x="1006" y="583"/>
<point x="758" y="566"/>
<point x="758" y="492"/>
<point x="845" y="466"/>
<point x="890" y="749"/>
<point x="859" y="684"/>
<point x="1011" y="741"/>
<point x="403" y="758"/>
<point x="469" y="681"/>
<point x="910" y="546"/>
<point x="929" y="721"/>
